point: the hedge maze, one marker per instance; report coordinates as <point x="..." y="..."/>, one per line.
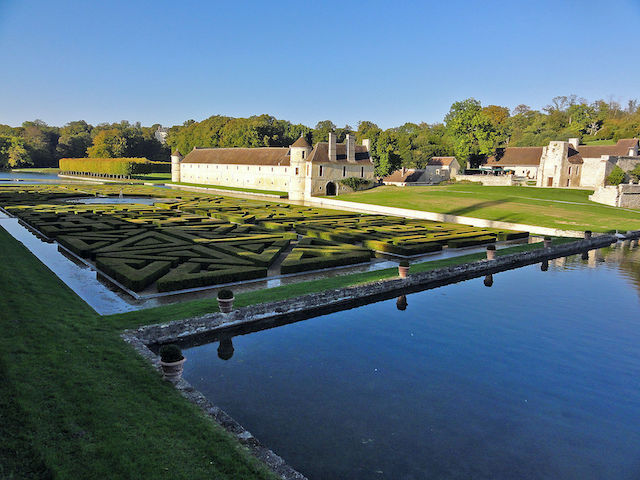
<point x="190" y="240"/>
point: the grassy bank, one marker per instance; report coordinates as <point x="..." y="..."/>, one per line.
<point x="79" y="403"/>
<point x="547" y="207"/>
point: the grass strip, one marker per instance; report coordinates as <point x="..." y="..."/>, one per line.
<point x="77" y="402"/>
<point x="194" y="308"/>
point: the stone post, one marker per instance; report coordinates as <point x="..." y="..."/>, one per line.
<point x="491" y="252"/>
<point x="547" y="242"/>
<point x="587" y="234"/>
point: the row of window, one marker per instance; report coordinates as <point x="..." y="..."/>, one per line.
<point x="297" y="171"/>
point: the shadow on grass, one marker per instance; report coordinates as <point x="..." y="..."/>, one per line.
<point x="478" y="206"/>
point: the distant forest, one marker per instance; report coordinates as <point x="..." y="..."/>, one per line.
<point x="469" y="131"/>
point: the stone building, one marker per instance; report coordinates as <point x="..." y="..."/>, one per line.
<point x="437" y="169"/>
<point x="568" y="164"/>
<point x="300" y="170"/>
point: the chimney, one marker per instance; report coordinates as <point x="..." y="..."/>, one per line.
<point x="333" y="156"/>
<point x="574" y="142"/>
<point x="351" y="148"/>
<point x="366" y="143"/>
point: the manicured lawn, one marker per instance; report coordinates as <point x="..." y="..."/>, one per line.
<point x="77" y="402"/>
<point x="546" y="207"/>
<point x="154" y="177"/>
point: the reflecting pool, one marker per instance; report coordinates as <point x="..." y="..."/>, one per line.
<point x="532" y="374"/>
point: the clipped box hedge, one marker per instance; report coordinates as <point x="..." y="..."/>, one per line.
<point x="113" y="166"/>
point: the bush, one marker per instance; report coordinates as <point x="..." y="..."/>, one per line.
<point x="356" y="183"/>
<point x="635" y="173"/>
<point x="404" y="263"/>
<point x="113" y="166"/>
<point x="616" y="177"/>
<point x="170" y="353"/>
<point x="225" y="294"/>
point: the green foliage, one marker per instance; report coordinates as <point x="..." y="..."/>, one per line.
<point x="356" y="183"/>
<point x="113" y="166"/>
<point x="225" y="294"/>
<point x="635" y="173"/>
<point x="404" y="263"/>
<point x="170" y="353"/>
<point x="616" y="177"/>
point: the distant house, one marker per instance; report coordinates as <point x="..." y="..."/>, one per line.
<point x="437" y="170"/>
<point x="300" y="170"/>
<point x="568" y="164"/>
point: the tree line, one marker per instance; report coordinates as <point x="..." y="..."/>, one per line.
<point x="469" y="131"/>
<point x="36" y="144"/>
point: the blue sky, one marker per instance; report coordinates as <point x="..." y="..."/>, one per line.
<point x="387" y="62"/>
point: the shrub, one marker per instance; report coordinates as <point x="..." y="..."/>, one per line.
<point x="225" y="294"/>
<point x="170" y="353"/>
<point x="616" y="177"/>
<point x="356" y="183"/>
<point x="404" y="263"/>
<point x="491" y="247"/>
<point x="635" y="173"/>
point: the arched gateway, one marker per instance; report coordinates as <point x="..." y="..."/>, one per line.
<point x="331" y="188"/>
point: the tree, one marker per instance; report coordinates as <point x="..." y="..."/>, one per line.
<point x="13" y="153"/>
<point x="616" y="177"/>
<point x="108" y="144"/>
<point x="322" y="130"/>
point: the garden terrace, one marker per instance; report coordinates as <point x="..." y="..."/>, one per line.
<point x="188" y="240"/>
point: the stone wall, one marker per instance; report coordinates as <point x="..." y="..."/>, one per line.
<point x="492" y="180"/>
<point x="242" y="176"/>
<point x="624" y="195"/>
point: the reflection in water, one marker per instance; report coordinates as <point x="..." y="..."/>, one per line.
<point x="488" y="280"/>
<point x="585" y="255"/>
<point x="401" y="303"/>
<point x="544" y="266"/>
<point x="225" y="349"/>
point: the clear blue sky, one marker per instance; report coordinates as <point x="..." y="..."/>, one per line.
<point x="387" y="62"/>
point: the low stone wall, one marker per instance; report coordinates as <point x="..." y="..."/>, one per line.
<point x="326" y="202"/>
<point x="623" y="195"/>
<point x="492" y="180"/>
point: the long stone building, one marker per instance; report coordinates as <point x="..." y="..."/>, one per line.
<point x="568" y="164"/>
<point x="299" y="170"/>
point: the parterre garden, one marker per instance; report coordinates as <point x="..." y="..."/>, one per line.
<point x="190" y="240"/>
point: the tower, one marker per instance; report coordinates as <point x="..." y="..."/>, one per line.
<point x="176" y="157"/>
<point x="299" y="152"/>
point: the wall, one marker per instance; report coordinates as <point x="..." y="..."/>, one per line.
<point x="627" y="163"/>
<point x="243" y="176"/>
<point x="553" y="165"/>
<point x="493" y="180"/>
<point x="333" y="172"/>
<point x="594" y="171"/>
<point x="624" y="195"/>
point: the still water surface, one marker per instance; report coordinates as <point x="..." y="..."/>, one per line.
<point x="537" y="377"/>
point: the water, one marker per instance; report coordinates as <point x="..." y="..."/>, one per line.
<point x="9" y="177"/>
<point x="537" y="377"/>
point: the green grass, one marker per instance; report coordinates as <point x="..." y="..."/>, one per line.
<point x="153" y="177"/>
<point x="53" y="171"/>
<point x="235" y="189"/>
<point x="600" y="142"/>
<point x="77" y="402"/>
<point x="544" y="207"/>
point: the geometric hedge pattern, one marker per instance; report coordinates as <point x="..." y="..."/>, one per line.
<point x="190" y="240"/>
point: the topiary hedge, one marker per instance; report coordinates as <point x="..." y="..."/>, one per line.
<point x="124" y="167"/>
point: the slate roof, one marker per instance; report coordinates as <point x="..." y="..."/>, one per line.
<point x="442" y="161"/>
<point x="320" y="154"/>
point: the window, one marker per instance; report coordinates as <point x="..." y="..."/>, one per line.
<point x="297" y="170"/>
<point x="303" y="152"/>
<point x="569" y="169"/>
<point x="362" y="171"/>
<point x="344" y="171"/>
<point x="320" y="171"/>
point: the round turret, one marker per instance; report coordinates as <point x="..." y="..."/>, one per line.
<point x="299" y="153"/>
<point x="176" y="158"/>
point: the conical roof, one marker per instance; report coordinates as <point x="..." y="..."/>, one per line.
<point x="176" y="153"/>
<point x="301" y="142"/>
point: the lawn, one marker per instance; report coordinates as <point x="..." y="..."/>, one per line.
<point x="567" y="209"/>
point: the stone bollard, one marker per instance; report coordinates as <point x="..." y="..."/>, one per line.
<point x="488" y="280"/>
<point x="587" y="234"/>
<point x="547" y="242"/>
<point x="491" y="252"/>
